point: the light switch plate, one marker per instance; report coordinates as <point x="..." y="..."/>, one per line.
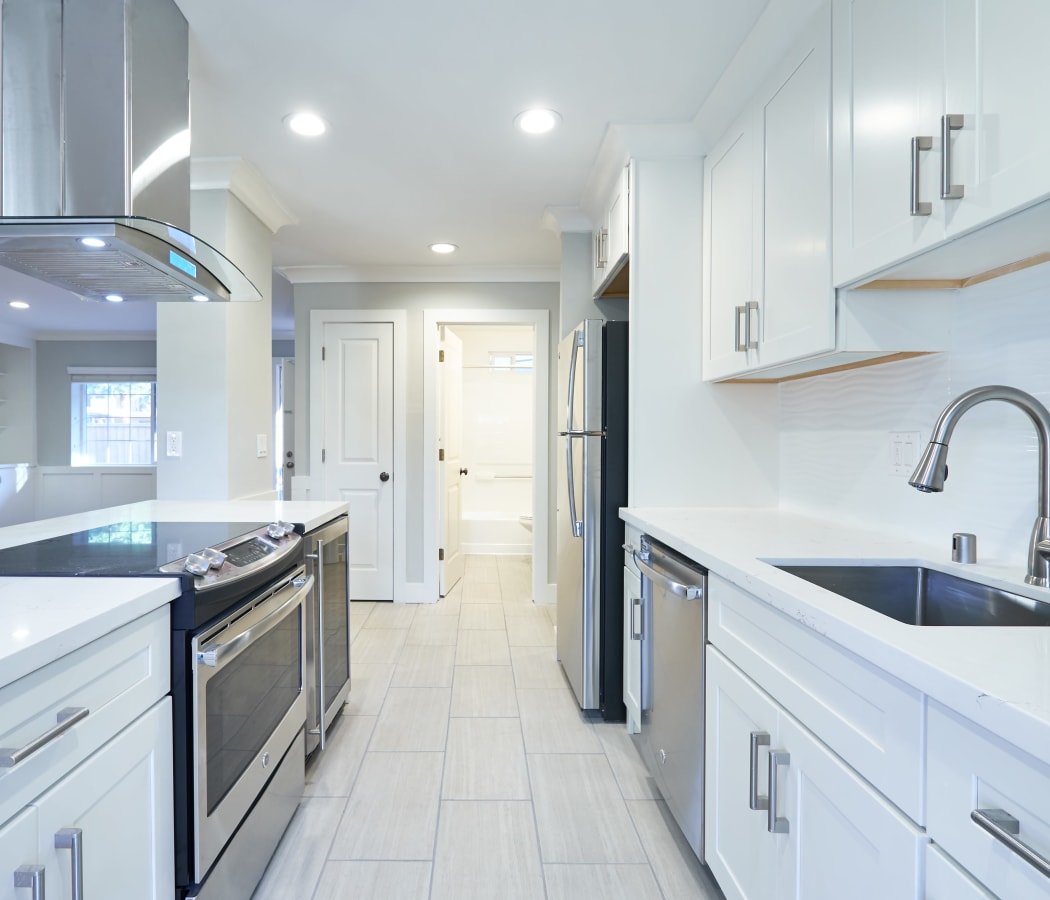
<point x="260" y="445"/>
<point x="903" y="451"/>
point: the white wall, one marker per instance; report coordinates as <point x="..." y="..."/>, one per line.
<point x="834" y="428"/>
<point x="497" y="423"/>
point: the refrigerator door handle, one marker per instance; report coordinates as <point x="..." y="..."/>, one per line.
<point x="577" y="525"/>
<point x="577" y="343"/>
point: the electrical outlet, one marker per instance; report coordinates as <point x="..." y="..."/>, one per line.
<point x="260" y="445"/>
<point x="903" y="451"/>
<point x="173" y="443"/>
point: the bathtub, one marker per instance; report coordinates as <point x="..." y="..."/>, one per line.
<point x="495" y="533"/>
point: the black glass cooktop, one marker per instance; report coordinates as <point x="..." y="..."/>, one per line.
<point x="124" y="548"/>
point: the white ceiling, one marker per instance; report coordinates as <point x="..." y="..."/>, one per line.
<point x="421" y="98"/>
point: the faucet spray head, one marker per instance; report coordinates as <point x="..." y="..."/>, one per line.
<point x="932" y="470"/>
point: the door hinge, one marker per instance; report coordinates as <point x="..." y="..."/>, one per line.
<point x="441" y="355"/>
<point x="441" y="554"/>
<point x="441" y="455"/>
<point x="322" y="454"/>
<point x="322" y="354"/>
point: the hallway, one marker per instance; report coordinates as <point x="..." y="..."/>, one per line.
<point x="462" y="768"/>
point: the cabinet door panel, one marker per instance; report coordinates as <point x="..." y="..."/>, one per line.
<point x="998" y="79"/>
<point x="946" y="881"/>
<point x="888" y="83"/>
<point x="844" y="839"/>
<point x="17" y="848"/>
<point x="632" y="650"/>
<point x="738" y="849"/>
<point x="121" y="798"/>
<point x="729" y="261"/>
<point x="798" y="316"/>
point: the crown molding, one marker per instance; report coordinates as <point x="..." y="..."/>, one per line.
<point x="246" y="183"/>
<point x="419" y="274"/>
<point x="562" y="219"/>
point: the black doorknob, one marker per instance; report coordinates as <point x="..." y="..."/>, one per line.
<point x="462" y="471"/>
<point x="289" y="465"/>
<point x="384" y="476"/>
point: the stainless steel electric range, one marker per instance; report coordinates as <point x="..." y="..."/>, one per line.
<point x="237" y="680"/>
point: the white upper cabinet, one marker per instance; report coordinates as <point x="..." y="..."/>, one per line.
<point x="888" y="89"/>
<point x="767" y="288"/>
<point x="998" y="80"/>
<point x="609" y="250"/>
<point x="939" y="130"/>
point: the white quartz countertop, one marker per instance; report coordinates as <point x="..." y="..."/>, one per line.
<point x="46" y="618"/>
<point x="999" y="677"/>
<point x="308" y="513"/>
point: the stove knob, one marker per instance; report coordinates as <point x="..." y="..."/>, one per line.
<point x="275" y="530"/>
<point x="215" y="557"/>
<point x="197" y="564"/>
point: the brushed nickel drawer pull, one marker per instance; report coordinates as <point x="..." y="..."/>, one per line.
<point x="67" y="718"/>
<point x="1003" y="827"/>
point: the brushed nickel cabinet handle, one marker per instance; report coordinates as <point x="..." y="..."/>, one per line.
<point x="756" y="802"/>
<point x="636" y="619"/>
<point x="751" y="342"/>
<point x="1004" y="828"/>
<point x="31" y="877"/>
<point x="72" y="839"/>
<point x="949" y="191"/>
<point x="739" y="313"/>
<point x="919" y="144"/>
<point x="67" y="718"/>
<point x="776" y="824"/>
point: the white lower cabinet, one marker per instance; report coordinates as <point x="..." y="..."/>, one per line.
<point x="828" y="833"/>
<point x="632" y="649"/>
<point x="120" y="802"/>
<point x="18" y="857"/>
<point x="946" y="881"/>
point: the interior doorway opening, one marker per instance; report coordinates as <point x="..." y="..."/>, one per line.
<point x="489" y="428"/>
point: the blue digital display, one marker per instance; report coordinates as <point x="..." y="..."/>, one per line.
<point x="180" y="262"/>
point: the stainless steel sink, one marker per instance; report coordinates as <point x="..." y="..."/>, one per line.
<point x="919" y="596"/>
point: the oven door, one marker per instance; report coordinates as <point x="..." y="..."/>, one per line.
<point x="248" y="706"/>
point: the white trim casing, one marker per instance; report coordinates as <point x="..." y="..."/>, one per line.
<point x="539" y="319"/>
<point x="403" y="591"/>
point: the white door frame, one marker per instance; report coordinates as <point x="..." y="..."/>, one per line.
<point x="539" y="320"/>
<point x="319" y="318"/>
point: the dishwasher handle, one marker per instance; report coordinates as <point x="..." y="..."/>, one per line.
<point x="687" y="591"/>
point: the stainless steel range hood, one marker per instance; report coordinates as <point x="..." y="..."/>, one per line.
<point x="94" y="152"/>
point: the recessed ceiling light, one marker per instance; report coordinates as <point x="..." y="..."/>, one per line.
<point x="537" y="121"/>
<point x="443" y="248"/>
<point x="18" y="304"/>
<point x="114" y="298"/>
<point x="93" y="242"/>
<point x="307" y="124"/>
<point x="200" y="298"/>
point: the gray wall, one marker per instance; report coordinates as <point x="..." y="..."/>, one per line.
<point x="415" y="298"/>
<point x="53" y="385"/>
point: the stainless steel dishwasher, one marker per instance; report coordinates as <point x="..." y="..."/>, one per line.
<point x="673" y="633"/>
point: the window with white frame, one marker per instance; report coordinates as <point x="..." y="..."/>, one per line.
<point x="113" y="417"/>
<point x="510" y="361"/>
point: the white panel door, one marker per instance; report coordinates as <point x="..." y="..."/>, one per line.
<point x="17" y="849"/>
<point x="730" y="221"/>
<point x="998" y="80"/>
<point x="359" y="447"/>
<point x="632" y="649"/>
<point x="450" y="565"/>
<point x="120" y="798"/>
<point x="738" y="848"/>
<point x="888" y="88"/>
<point x="797" y="303"/>
<point x="843" y="839"/>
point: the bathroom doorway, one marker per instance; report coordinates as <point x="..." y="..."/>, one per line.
<point x="493" y="431"/>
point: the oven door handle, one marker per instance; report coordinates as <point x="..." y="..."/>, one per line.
<point x="219" y="653"/>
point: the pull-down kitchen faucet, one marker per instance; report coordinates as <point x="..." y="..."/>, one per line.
<point x="932" y="469"/>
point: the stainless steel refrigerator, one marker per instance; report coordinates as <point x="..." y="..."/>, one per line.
<point x="592" y="486"/>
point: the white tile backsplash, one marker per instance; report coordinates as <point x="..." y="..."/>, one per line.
<point x="835" y="428"/>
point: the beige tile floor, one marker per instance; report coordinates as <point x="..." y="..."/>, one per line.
<point x="462" y="769"/>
